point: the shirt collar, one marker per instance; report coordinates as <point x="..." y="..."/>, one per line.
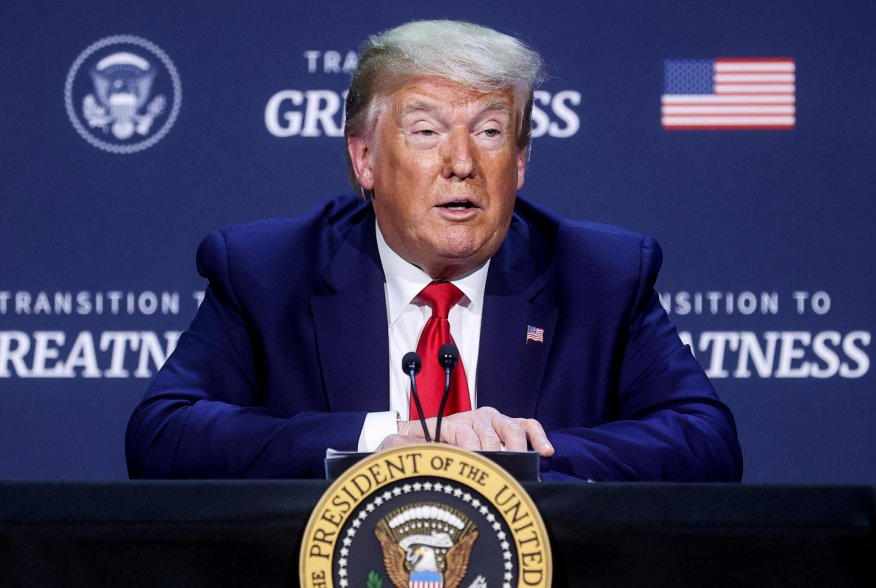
<point x="405" y="280"/>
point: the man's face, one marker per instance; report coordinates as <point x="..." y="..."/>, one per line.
<point x="444" y="169"/>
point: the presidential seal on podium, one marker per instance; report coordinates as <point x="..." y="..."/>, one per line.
<point x="425" y="516"/>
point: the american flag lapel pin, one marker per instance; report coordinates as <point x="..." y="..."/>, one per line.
<point x="534" y="334"/>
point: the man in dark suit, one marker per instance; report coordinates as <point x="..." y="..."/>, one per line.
<point x="564" y="346"/>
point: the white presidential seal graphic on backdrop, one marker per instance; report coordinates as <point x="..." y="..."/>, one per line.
<point x="123" y="94"/>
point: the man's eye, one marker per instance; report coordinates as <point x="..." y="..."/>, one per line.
<point x="425" y="132"/>
<point x="492" y="132"/>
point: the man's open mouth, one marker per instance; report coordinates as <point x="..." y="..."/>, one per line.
<point x="458" y="205"/>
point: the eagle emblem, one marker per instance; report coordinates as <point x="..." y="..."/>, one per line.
<point x="123" y="94"/>
<point x="121" y="101"/>
<point x="426" y="545"/>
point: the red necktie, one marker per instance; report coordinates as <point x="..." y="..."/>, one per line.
<point x="440" y="296"/>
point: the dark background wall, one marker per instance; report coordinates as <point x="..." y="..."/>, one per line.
<point x="771" y="230"/>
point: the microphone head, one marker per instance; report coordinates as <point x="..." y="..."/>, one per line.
<point x="448" y="355"/>
<point x="411" y="363"/>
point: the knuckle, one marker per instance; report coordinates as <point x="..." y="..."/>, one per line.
<point x="515" y="426"/>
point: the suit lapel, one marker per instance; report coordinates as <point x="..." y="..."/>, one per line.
<point x="511" y="369"/>
<point x="350" y="324"/>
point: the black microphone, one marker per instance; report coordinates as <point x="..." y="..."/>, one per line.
<point x="411" y="365"/>
<point x="448" y="357"/>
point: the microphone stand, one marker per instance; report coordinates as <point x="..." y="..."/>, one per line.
<point x="448" y="357"/>
<point x="411" y="365"/>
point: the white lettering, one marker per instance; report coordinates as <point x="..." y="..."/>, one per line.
<point x="316" y="113"/>
<point x="719" y="341"/>
<point x="322" y="114"/>
<point x="82" y="355"/>
<point x="45" y="351"/>
<point x="746" y="303"/>
<point x="543" y="105"/>
<point x="170" y="302"/>
<point x="351" y="62"/>
<point x="84" y="302"/>
<point x="117" y="342"/>
<point x="292" y="117"/>
<point x="854" y="353"/>
<point x="331" y="62"/>
<point x="559" y="104"/>
<point x="751" y="351"/>
<point x="826" y="354"/>
<point x="22" y="303"/>
<point x="322" y="106"/>
<point x="139" y="354"/>
<point x="312" y="58"/>
<point x="800" y="296"/>
<point x="784" y="354"/>
<point x="147" y="303"/>
<point x="715" y="303"/>
<point x="150" y="349"/>
<point x="47" y="347"/>
<point x="820" y="302"/>
<point x="791" y="352"/>
<point x="14" y="346"/>
<point x="63" y="303"/>
<point x="42" y="305"/>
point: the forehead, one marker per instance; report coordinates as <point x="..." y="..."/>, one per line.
<point x="441" y="95"/>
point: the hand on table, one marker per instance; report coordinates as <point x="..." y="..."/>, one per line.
<point x="482" y="429"/>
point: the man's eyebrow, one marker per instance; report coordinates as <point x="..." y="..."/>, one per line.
<point x="497" y="104"/>
<point x="417" y="106"/>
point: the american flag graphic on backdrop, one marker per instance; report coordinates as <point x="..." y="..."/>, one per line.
<point x="714" y="94"/>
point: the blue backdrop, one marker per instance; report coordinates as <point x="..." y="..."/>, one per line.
<point x="129" y="129"/>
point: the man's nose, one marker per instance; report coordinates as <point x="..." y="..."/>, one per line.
<point x="459" y="154"/>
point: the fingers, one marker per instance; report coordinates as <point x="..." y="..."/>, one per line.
<point x="511" y="432"/>
<point x="392" y="441"/>
<point x="487" y="429"/>
<point x="412" y="429"/>
<point x="460" y="430"/>
<point x="456" y="429"/>
<point x="517" y="434"/>
<point x="537" y="437"/>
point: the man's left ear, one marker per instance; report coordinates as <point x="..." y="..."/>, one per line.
<point x="360" y="156"/>
<point x="522" y="158"/>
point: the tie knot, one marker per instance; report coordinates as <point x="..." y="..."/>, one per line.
<point x="440" y="296"/>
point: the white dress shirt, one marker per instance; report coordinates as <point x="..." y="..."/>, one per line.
<point x="405" y="319"/>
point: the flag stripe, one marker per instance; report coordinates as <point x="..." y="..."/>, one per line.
<point x="754" y="77"/>
<point x="754" y="88"/>
<point x="754" y="66"/>
<point x="727" y="120"/>
<point x="705" y="98"/>
<point x="725" y="109"/>
<point x="725" y="128"/>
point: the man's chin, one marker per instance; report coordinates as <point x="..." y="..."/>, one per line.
<point x="455" y="263"/>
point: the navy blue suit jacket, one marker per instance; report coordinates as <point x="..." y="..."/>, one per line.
<point x="289" y="351"/>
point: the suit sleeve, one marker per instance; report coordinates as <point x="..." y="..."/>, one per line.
<point x="669" y="425"/>
<point x="201" y="417"/>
